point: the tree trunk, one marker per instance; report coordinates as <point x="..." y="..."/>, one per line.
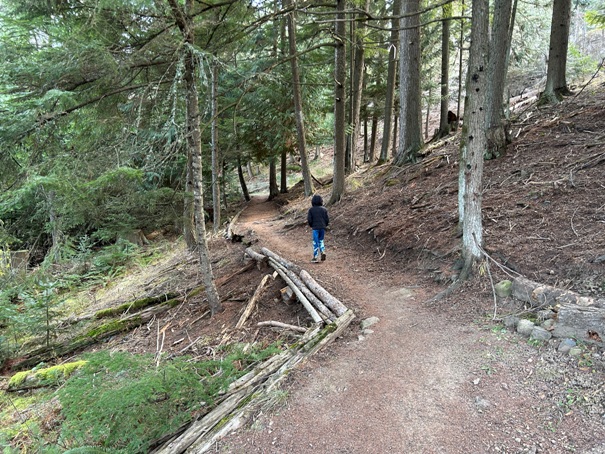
<point x="444" y="125"/>
<point x="496" y="126"/>
<point x="373" y="132"/>
<point x="460" y="65"/>
<point x="357" y="83"/>
<point x="474" y="140"/>
<point x="556" y="82"/>
<point x="216" y="168"/>
<point x="188" y="208"/>
<point x="391" y="81"/>
<point x="340" y="68"/>
<point x="194" y="142"/>
<point x="242" y="181"/>
<point x="283" y="186"/>
<point x="410" y="112"/>
<point x="298" y="107"/>
<point x="273" y="189"/>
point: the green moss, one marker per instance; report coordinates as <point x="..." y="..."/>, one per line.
<point x="196" y="291"/>
<point x="17" y="379"/>
<point x="48" y="375"/>
<point x="135" y="305"/>
<point x="113" y="326"/>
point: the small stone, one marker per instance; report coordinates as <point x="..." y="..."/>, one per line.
<point x="369" y="322"/>
<point x="365" y="332"/>
<point x="548" y="324"/>
<point x="566" y="345"/>
<point x="525" y="327"/>
<point x="511" y="321"/>
<point x="540" y="334"/>
<point x="503" y="288"/>
<point x="575" y="351"/>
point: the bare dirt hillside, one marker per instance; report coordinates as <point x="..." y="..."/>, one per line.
<point x="430" y="376"/>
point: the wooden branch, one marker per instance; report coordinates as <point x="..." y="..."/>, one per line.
<point x="260" y="259"/>
<point x="250" y="393"/>
<point x="316" y="302"/>
<point x="252" y="302"/>
<point x="301" y="297"/>
<point x="299" y="329"/>
<point x="283" y="262"/>
<point x="333" y="303"/>
<point x="229" y="233"/>
<point x="223" y="280"/>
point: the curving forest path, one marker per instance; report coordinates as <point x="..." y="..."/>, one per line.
<point x="416" y="382"/>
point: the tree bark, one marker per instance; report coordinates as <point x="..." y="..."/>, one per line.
<point x="340" y="68"/>
<point x="195" y="146"/>
<point x="496" y="126"/>
<point x="556" y="82"/>
<point x="273" y="188"/>
<point x="410" y="111"/>
<point x="216" y="167"/>
<point x="391" y="82"/>
<point x="474" y="140"/>
<point x="444" y="125"/>
<point x="298" y="105"/>
<point x="242" y="181"/>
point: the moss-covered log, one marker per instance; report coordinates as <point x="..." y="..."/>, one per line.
<point x="49" y="376"/>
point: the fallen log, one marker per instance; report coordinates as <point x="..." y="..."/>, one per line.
<point x="541" y="295"/>
<point x="252" y="302"/>
<point x="333" y="303"/>
<point x="260" y="259"/>
<point x="301" y="297"/>
<point x="298" y="329"/>
<point x="237" y="409"/>
<point x="282" y="261"/>
<point x="316" y="302"/>
<point x="49" y="376"/>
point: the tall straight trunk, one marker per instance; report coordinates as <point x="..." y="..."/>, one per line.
<point x="340" y="74"/>
<point x="391" y="82"/>
<point x="496" y="126"/>
<point x="216" y="168"/>
<point x="298" y="106"/>
<point x="283" y="187"/>
<point x="474" y="139"/>
<point x="444" y="126"/>
<point x="194" y="142"/>
<point x="460" y="66"/>
<point x="556" y="82"/>
<point x="366" y="151"/>
<point x="188" y="208"/>
<point x="373" y="133"/>
<point x="410" y="111"/>
<point x="357" y="83"/>
<point x="273" y="189"/>
<point x="242" y="181"/>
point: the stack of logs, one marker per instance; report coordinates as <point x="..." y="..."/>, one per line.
<point x="247" y="394"/>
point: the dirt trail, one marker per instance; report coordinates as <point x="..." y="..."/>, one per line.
<point x="417" y="383"/>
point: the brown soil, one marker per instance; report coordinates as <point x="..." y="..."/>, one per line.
<point x="431" y="376"/>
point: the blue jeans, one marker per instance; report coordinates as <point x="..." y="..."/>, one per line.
<point x="318" y="242"/>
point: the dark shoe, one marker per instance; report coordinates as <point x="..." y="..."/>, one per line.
<point x="323" y="256"/>
<point x="314" y="260"/>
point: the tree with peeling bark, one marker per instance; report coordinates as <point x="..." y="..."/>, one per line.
<point x="183" y="18"/>
<point x="473" y="143"/>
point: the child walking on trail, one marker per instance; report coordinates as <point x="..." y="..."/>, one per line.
<point x="318" y="220"/>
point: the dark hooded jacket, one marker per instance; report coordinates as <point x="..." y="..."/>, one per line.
<point x="317" y="217"/>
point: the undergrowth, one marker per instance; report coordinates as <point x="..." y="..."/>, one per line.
<point x="121" y="402"/>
